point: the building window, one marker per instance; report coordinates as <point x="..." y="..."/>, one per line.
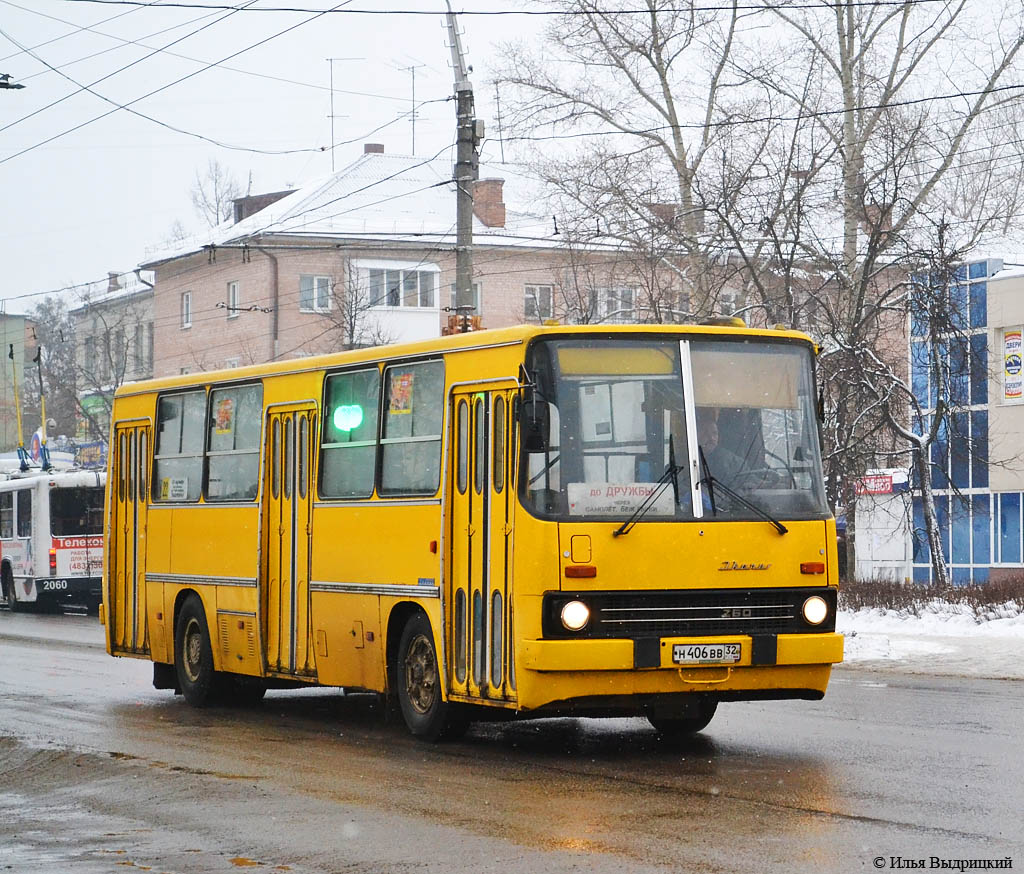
<point x="139" y="349"/>
<point x="314" y="294"/>
<point x="233" y="300"/>
<point x="231" y="363"/>
<point x="186" y="310"/>
<point x="616" y="304"/>
<point x="477" y="309"/>
<point x="89" y="354"/>
<point x="402" y="288"/>
<point x="539" y="302"/>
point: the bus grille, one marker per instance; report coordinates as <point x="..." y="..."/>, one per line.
<point x="690" y="613"/>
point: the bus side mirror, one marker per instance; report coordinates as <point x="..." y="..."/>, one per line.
<point x="535" y="425"/>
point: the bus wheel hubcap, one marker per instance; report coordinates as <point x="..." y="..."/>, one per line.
<point x="193" y="650"/>
<point x="421" y="674"/>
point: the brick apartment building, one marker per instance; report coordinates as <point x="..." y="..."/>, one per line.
<point x="368" y="256"/>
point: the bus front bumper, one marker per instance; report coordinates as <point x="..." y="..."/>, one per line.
<point x="787" y="666"/>
<point x="623" y="655"/>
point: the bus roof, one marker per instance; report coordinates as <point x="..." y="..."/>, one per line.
<point x="519" y="334"/>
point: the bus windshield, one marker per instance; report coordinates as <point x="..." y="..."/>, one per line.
<point x="76" y="511"/>
<point x="606" y="429"/>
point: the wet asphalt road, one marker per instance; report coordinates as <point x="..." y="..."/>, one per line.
<point x="99" y="772"/>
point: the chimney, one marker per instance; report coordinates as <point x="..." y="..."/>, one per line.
<point x="488" y="205"/>
<point x="113" y="282"/>
<point x="253" y="203"/>
<point x="373" y="148"/>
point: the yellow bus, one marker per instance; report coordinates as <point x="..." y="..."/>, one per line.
<point x="532" y="521"/>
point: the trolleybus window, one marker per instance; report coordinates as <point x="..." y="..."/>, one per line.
<point x="411" y="440"/>
<point x="349" y="449"/>
<point x="179" y="447"/>
<point x="233" y="461"/>
<point x="25" y="513"/>
<point x="76" y="511"/>
<point x="6" y="515"/>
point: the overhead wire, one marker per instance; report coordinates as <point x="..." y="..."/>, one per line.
<point x="178" y="81"/>
<point x="138" y="42"/>
<point x="741" y="7"/>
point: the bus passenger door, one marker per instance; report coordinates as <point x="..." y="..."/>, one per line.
<point x="287" y="518"/>
<point x="479" y="546"/>
<point x="126" y="611"/>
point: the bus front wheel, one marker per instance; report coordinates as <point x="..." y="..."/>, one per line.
<point x="418" y="683"/>
<point x="193" y="655"/>
<point x="683" y="725"/>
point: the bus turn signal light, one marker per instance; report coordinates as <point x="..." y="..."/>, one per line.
<point x="578" y="571"/>
<point x="812" y="567"/>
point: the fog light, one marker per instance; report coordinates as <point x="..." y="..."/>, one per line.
<point x="815" y="610"/>
<point x="575" y="615"/>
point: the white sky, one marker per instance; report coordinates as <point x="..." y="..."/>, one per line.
<point x="98" y="198"/>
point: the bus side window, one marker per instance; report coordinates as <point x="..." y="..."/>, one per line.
<point x="348" y="454"/>
<point x="6" y="515"/>
<point x="411" y="440"/>
<point x="178" y="464"/>
<point x="233" y="457"/>
<point x="25" y="513"/>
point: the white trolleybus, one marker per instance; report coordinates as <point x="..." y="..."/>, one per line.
<point x="51" y="538"/>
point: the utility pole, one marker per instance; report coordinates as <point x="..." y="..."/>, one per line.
<point x="469" y="132"/>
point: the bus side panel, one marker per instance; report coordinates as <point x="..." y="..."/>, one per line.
<point x="380" y="544"/>
<point x="215" y="542"/>
<point x="347" y="640"/>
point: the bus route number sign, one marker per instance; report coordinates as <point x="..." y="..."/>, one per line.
<point x="705" y="653"/>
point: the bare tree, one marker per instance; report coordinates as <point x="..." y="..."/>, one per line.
<point x="114" y="335"/>
<point x="354" y="318"/>
<point x="54" y="335"/>
<point x="213" y="192"/>
<point x="803" y="159"/>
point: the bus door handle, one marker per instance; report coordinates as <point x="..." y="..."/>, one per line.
<point x="470" y="530"/>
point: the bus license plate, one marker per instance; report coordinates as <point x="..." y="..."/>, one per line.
<point x="705" y="653"/>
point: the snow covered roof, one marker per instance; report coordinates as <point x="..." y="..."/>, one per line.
<point x="383" y="197"/>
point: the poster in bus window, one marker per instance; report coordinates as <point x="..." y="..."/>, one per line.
<point x="224" y="416"/>
<point x="401" y="394"/>
<point x="1013" y="379"/>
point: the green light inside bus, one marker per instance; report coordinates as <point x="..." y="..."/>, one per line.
<point x="348" y="417"/>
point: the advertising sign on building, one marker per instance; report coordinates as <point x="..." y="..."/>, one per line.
<point x="1013" y="379"/>
<point x="874" y="484"/>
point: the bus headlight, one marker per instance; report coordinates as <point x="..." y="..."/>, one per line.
<point x="815" y="610"/>
<point x="575" y="615"/>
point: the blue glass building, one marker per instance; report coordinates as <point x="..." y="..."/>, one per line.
<point x="978" y="460"/>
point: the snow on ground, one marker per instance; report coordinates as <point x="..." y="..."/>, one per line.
<point x="946" y="639"/>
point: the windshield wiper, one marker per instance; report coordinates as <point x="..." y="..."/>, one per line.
<point x="712" y="481"/>
<point x="671" y="475"/>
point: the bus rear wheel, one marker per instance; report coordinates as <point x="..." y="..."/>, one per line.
<point x="193" y="655"/>
<point x="418" y="683"/>
<point x="693" y="721"/>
